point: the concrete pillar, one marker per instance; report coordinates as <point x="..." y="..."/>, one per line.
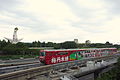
<point x="97" y="74"/>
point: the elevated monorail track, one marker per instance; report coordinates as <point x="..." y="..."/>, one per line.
<point x="26" y="74"/>
<point x="7" y="63"/>
<point x="9" y="69"/>
<point x="17" y="64"/>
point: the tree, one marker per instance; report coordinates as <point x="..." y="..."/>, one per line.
<point x="57" y="46"/>
<point x="39" y="44"/>
<point x="69" y="44"/>
<point x="107" y="43"/>
<point x="49" y="44"/>
<point x="87" y="43"/>
<point x="34" y="44"/>
<point x="43" y="44"/>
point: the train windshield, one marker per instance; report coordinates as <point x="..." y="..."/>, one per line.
<point x="42" y="53"/>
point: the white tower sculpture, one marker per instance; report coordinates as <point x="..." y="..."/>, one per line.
<point x="15" y="39"/>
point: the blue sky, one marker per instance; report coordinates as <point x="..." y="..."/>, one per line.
<point x="61" y="20"/>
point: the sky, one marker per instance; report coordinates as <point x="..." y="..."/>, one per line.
<point x="61" y="20"/>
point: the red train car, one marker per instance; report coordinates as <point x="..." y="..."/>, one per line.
<point x="64" y="55"/>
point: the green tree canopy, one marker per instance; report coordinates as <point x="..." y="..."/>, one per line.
<point x="69" y="45"/>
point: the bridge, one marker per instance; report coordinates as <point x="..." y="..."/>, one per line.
<point x="87" y="69"/>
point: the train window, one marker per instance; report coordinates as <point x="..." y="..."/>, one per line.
<point x="80" y="52"/>
<point x="86" y="55"/>
<point x="92" y="55"/>
<point x="62" y="53"/>
<point x="83" y="51"/>
<point x="42" y="53"/>
<point x="88" y="51"/>
<point x="92" y="50"/>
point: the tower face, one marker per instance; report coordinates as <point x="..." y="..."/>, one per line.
<point x="16" y="29"/>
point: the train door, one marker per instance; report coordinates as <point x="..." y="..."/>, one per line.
<point x="79" y="55"/>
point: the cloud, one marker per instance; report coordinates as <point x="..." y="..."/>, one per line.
<point x="113" y="7"/>
<point x="8" y="5"/>
<point x="54" y="12"/>
<point x="61" y="20"/>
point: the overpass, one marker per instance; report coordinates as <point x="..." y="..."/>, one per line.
<point x="91" y="72"/>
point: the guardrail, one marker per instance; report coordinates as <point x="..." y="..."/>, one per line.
<point x="28" y="73"/>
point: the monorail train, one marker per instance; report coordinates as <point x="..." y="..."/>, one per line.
<point x="64" y="55"/>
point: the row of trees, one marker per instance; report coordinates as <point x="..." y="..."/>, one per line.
<point x="71" y="44"/>
<point x="6" y="48"/>
<point x="23" y="48"/>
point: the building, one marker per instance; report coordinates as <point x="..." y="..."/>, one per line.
<point x="76" y="40"/>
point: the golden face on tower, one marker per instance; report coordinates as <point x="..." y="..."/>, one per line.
<point x="16" y="28"/>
